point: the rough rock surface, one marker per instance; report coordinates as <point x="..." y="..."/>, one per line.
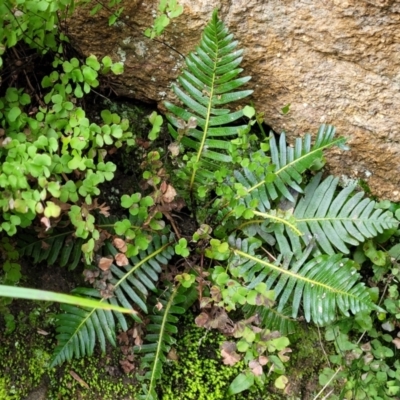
<point x="334" y="61"/>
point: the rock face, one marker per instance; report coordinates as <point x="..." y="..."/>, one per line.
<point x="334" y="61"/>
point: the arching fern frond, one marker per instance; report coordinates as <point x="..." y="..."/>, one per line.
<point x="282" y="178"/>
<point x="323" y="286"/>
<point x="159" y="338"/>
<point x="78" y="328"/>
<point x="335" y="219"/>
<point x="60" y="247"/>
<point x="209" y="82"/>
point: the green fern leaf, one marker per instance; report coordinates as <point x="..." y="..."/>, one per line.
<point x="58" y="246"/>
<point x="159" y="338"/>
<point x="129" y="284"/>
<point x="209" y="82"/>
<point x="335" y="220"/>
<point x="264" y="184"/>
<point x="273" y="320"/>
<point x="323" y="285"/>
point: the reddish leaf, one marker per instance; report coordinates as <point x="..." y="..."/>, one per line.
<point x="396" y="342"/>
<point x="105" y="263"/>
<point x="228" y="353"/>
<point x="263" y="360"/>
<point x="201" y="319"/>
<point x="46" y="223"/>
<point x="121" y="259"/>
<point x="256" y="368"/>
<point x="169" y="194"/>
<point x="120" y="244"/>
<point x="127" y="366"/>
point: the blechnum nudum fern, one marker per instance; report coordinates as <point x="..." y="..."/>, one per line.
<point x="279" y="232"/>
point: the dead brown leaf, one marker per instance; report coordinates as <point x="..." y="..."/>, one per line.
<point x="282" y="355"/>
<point x="79" y="379"/>
<point x="123" y="338"/>
<point x="263" y="360"/>
<point x="174" y="149"/>
<point x="206" y="302"/>
<point x="215" y="293"/>
<point x="202" y="319"/>
<point x="255" y="367"/>
<point x="138" y="341"/>
<point x="120" y="244"/>
<point x="105" y="263"/>
<point x="121" y="259"/>
<point x="90" y="275"/>
<point x="228" y="353"/>
<point x="127" y="366"/>
<point x="46" y="223"/>
<point x="396" y="342"/>
<point x="169" y="195"/>
<point x="173" y="355"/>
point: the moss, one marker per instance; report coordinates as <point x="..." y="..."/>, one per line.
<point x="100" y="385"/>
<point x="306" y="362"/>
<point x="199" y="373"/>
<point x="24" y="359"/>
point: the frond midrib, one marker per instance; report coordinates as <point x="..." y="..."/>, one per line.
<point x="292" y="163"/>
<point x="308" y="281"/>
<point x="160" y="342"/>
<point x="79" y="328"/>
<point x="207" y="123"/>
<point x="140" y="263"/>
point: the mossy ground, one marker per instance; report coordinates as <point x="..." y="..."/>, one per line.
<point x="199" y="373"/>
<point x="24" y="360"/>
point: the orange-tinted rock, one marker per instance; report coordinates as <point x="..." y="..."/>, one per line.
<point x="334" y="61"/>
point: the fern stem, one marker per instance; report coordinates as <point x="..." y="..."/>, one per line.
<point x="141" y="262"/>
<point x="159" y="344"/>
<point x="294" y="162"/>
<point x="279" y="220"/>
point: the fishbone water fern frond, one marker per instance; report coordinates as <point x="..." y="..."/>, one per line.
<point x="162" y="327"/>
<point x="79" y="328"/>
<point x="322" y="286"/>
<point x="60" y="247"/>
<point x="265" y="184"/>
<point x="335" y="219"/>
<point x="208" y="82"/>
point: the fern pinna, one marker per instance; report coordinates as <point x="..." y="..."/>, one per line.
<point x="79" y="329"/>
<point x="208" y="82"/>
<point x="160" y="337"/>
<point x="324" y="285"/>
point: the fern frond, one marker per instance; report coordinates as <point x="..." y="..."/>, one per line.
<point x="129" y="284"/>
<point x="323" y="285"/>
<point x="334" y="219"/>
<point x="58" y="247"/>
<point x="159" y="338"/>
<point x="273" y="320"/>
<point x="263" y="185"/>
<point x="209" y="82"/>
